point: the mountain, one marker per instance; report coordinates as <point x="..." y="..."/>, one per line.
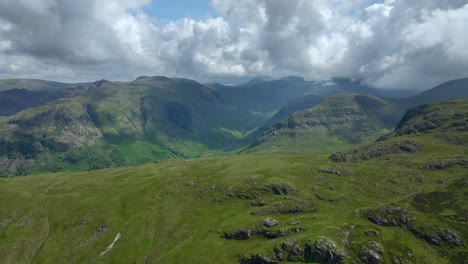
<point x="266" y="96"/>
<point x="401" y="199"/>
<point x="19" y="94"/>
<point x="339" y="120"/>
<point x="48" y="126"/>
<point x="14" y="100"/>
<point x="444" y="123"/>
<point x="446" y="91"/>
<point x="317" y="130"/>
<point x="149" y="119"/>
<point x="34" y="85"/>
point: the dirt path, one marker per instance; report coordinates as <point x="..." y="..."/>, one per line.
<point x="109" y="248"/>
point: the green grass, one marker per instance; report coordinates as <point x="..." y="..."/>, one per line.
<point x="177" y="211"/>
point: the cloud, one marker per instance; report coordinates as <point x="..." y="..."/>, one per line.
<point x="390" y="44"/>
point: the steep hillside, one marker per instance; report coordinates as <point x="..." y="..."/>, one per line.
<point x="339" y="120"/>
<point x="150" y="119"/>
<point x="405" y="205"/>
<point x="158" y="118"/>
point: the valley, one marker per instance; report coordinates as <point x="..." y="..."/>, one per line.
<point x="345" y="179"/>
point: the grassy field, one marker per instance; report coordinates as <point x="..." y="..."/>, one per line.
<point x="178" y="211"/>
<point x="401" y="199"/>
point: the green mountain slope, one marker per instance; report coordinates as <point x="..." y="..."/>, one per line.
<point x="339" y="120"/>
<point x="149" y="119"/>
<point x="158" y="118"/>
<point x="265" y="96"/>
<point x="402" y="206"/>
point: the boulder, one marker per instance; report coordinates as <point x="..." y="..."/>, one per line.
<point x="270" y="222"/>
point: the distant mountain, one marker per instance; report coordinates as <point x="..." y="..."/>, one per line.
<point x="423" y="127"/>
<point x="343" y="119"/>
<point x="48" y="126"/>
<point x="14" y="100"/>
<point x="33" y="85"/>
<point x="310" y="132"/>
<point x="264" y="96"/>
<point x="446" y="91"/>
<point x="116" y="123"/>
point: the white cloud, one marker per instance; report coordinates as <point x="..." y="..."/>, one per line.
<point x="390" y="44"/>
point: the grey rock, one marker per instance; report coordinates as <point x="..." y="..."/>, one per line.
<point x="258" y="259"/>
<point x="270" y="222"/>
<point x="296" y="254"/>
<point x="371" y="233"/>
<point x="390" y="216"/>
<point x="324" y="251"/>
<point x="371" y="253"/>
<point x="242" y="234"/>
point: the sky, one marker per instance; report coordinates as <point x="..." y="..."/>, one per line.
<point x="389" y="44"/>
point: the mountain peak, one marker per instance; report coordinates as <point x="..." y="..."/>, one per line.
<point x="152" y="78"/>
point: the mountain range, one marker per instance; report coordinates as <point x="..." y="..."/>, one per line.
<point x="49" y="126"/>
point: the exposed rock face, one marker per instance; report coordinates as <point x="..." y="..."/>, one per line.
<point x="179" y="114"/>
<point x="290" y="251"/>
<point x="282" y="188"/>
<point x="267" y="233"/>
<point x="371" y="253"/>
<point x="338" y="170"/>
<point x="371" y="233"/>
<point x="324" y="251"/>
<point x="253" y="191"/>
<point x="444" y="164"/>
<point x="258" y="259"/>
<point x="242" y="234"/>
<point x="438" y="236"/>
<point x="376" y="150"/>
<point x="389" y="216"/>
<point x="270" y="222"/>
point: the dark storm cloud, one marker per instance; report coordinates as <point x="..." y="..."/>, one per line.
<point x="390" y="44"/>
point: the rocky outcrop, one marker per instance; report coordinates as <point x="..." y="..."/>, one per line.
<point x="338" y="170"/>
<point x="444" y="164"/>
<point x="371" y="253"/>
<point x="324" y="251"/>
<point x="242" y="234"/>
<point x="437" y="236"/>
<point x="289" y="251"/>
<point x="268" y="233"/>
<point x="282" y="188"/>
<point x="270" y="222"/>
<point x="377" y="150"/>
<point x="252" y="191"/>
<point x="258" y="259"/>
<point x="389" y="216"/>
<point x="293" y="206"/>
